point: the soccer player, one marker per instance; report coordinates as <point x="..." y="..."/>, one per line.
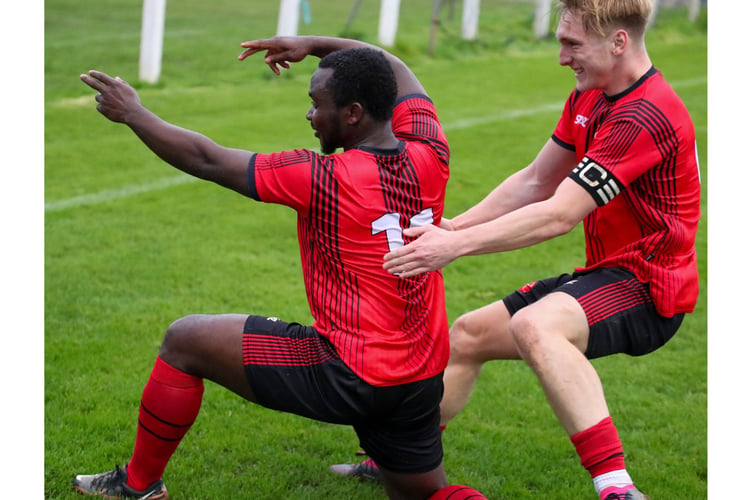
<point x="374" y="356"/>
<point x="622" y="160"/>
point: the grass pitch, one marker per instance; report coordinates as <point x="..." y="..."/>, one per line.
<point x="132" y="244"/>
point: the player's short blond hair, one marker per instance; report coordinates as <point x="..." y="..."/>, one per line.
<point x="602" y="16"/>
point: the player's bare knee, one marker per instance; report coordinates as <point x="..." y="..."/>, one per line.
<point x="466" y="340"/>
<point x="524" y="330"/>
<point x="177" y="338"/>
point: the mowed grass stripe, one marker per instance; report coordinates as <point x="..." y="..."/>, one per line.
<point x="117" y="37"/>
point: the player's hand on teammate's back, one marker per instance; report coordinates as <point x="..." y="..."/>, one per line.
<point x="434" y="249"/>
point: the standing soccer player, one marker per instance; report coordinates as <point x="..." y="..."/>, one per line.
<point x="376" y="351"/>
<point x="622" y="160"/>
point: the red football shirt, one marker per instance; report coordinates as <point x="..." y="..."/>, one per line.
<point x="352" y="208"/>
<point x="639" y="162"/>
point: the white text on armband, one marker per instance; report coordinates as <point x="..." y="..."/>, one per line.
<point x="598" y="181"/>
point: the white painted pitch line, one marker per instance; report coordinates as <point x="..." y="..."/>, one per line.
<point x="88" y="100"/>
<point x="114" y="194"/>
<point x="508" y="115"/>
<point x="690" y="83"/>
<point x="127" y="191"/>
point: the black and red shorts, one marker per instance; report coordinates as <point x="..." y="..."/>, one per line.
<point x="292" y="368"/>
<point x="619" y="310"/>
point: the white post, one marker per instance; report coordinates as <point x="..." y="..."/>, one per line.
<point x="470" y="15"/>
<point x="694" y="9"/>
<point x="542" y="18"/>
<point x="388" y="21"/>
<point x="152" y="34"/>
<point x="289" y="11"/>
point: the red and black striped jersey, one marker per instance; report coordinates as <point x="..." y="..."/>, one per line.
<point x="352" y="207"/>
<point x="638" y="159"/>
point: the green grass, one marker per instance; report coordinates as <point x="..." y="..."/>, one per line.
<point x="129" y="247"/>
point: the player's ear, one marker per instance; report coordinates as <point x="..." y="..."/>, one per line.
<point x="353" y="113"/>
<point x="619" y="41"/>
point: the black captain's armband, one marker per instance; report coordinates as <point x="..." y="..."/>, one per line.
<point x="599" y="182"/>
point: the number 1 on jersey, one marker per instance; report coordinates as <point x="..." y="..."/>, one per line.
<point x="389" y="223"/>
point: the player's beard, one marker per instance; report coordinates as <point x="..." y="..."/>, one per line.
<point x="327" y="145"/>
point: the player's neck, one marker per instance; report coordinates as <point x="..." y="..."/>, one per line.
<point x="629" y="75"/>
<point x="381" y="138"/>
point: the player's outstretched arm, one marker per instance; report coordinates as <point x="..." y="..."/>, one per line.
<point x="283" y="50"/>
<point x="535" y="182"/>
<point x="527" y="226"/>
<point x="184" y="149"/>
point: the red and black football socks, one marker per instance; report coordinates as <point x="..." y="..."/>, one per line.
<point x="169" y="405"/>
<point x="457" y="492"/>
<point x="601" y="453"/>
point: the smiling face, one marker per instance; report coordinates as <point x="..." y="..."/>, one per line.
<point x="587" y="53"/>
<point x="323" y="113"/>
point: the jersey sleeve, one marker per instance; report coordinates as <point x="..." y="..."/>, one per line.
<point x="283" y="178"/>
<point x="627" y="148"/>
<point x="415" y="119"/>
<point x="563" y="134"/>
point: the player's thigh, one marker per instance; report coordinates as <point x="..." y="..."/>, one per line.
<point x="210" y="347"/>
<point x="483" y="334"/>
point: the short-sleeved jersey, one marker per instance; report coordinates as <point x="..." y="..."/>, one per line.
<point x="352" y="207"/>
<point x="638" y="160"/>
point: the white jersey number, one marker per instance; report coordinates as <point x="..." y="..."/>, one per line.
<point x="389" y="223"/>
